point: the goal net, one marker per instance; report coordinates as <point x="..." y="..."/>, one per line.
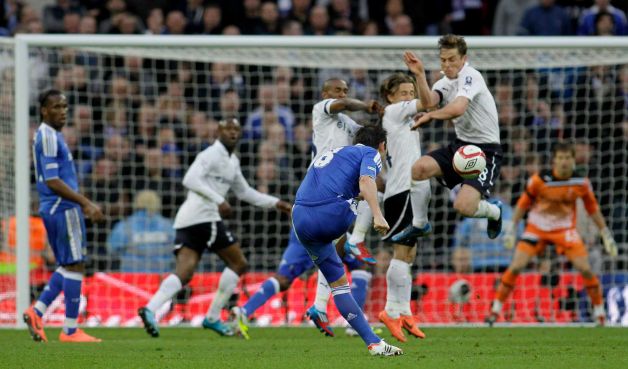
<point x="141" y="110"/>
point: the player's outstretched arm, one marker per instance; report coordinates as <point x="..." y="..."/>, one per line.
<point x="428" y="99"/>
<point x="349" y="104"/>
<point x="91" y="210"/>
<point x="610" y="246"/>
<point x="450" y="111"/>
<point x="368" y="190"/>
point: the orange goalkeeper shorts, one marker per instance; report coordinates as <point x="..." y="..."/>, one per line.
<point x="567" y="242"/>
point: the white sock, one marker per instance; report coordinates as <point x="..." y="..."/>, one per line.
<point x="496" y="308"/>
<point x="362" y="223"/>
<point x="323" y="292"/>
<point x="397" y="281"/>
<point x="227" y="284"/>
<point x="41" y="307"/>
<point x="420" y="194"/>
<point x="168" y="288"/>
<point x="487" y="210"/>
<point x="598" y="310"/>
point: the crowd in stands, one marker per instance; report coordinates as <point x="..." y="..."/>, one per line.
<point x="319" y="17"/>
<point x="136" y="124"/>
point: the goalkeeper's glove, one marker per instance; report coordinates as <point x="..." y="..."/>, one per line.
<point x="510" y="237"/>
<point x="609" y="243"/>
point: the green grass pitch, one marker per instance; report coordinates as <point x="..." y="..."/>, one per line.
<point x="297" y="348"/>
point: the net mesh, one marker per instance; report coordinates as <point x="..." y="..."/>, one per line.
<point x="139" y="115"/>
<point x="7" y="186"/>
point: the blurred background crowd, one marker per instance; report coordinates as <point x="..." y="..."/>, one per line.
<point x="135" y="124"/>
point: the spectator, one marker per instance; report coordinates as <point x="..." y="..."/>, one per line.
<point x="53" y="15"/>
<point x="299" y="11"/>
<point x="203" y="133"/>
<point x="402" y="26"/>
<point x="461" y="260"/>
<point x="212" y="20"/>
<point x="269" y="19"/>
<point x="229" y="105"/>
<point x="467" y="17"/>
<point x="545" y="19"/>
<point x="292" y="28"/>
<point x="486" y="255"/>
<point x="90" y="134"/>
<point x="508" y="16"/>
<point x="71" y="23"/>
<point x="146" y="128"/>
<point x="151" y="176"/>
<point x="142" y="81"/>
<point x="231" y="30"/>
<point x="588" y="21"/>
<point x="319" y="22"/>
<point x="115" y="10"/>
<point x="250" y="20"/>
<point x="143" y="241"/>
<point x="267" y="103"/>
<point x="604" y="24"/>
<point x="370" y="28"/>
<point x="88" y="25"/>
<point x="195" y="14"/>
<point x="394" y="9"/>
<point x="175" y="23"/>
<point x="224" y="77"/>
<point x="155" y="22"/>
<point x="342" y="16"/>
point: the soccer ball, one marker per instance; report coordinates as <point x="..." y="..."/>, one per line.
<point x="460" y="291"/>
<point x="469" y="161"/>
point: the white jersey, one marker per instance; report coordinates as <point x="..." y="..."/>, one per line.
<point x="211" y="175"/>
<point x="404" y="146"/>
<point x="330" y="130"/>
<point x="479" y="123"/>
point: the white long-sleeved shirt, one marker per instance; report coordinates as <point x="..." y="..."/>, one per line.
<point x="212" y="174"/>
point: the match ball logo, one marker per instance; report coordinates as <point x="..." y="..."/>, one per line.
<point x="469" y="161"/>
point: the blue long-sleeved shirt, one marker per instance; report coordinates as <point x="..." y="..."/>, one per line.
<point x="545" y="21"/>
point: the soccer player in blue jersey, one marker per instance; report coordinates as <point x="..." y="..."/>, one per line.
<point x="325" y="207"/>
<point x="63" y="210"/>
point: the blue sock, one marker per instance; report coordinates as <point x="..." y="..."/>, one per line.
<point x="359" y="286"/>
<point x="51" y="291"/>
<point x="353" y="314"/>
<point x="268" y="289"/>
<point x="72" y="291"/>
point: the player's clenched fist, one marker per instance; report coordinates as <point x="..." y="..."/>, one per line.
<point x="380" y="225"/>
<point x="509" y="238"/>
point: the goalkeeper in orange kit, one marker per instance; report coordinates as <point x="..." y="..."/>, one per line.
<point x="550" y="196"/>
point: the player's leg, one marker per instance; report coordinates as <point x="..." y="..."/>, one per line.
<point x="420" y="194"/>
<point x="529" y="246"/>
<point x="577" y="254"/>
<point x="235" y="266"/>
<point x="187" y="259"/>
<point x="55" y="229"/>
<point x="355" y="244"/>
<point x="294" y="262"/>
<point x="426" y="167"/>
<point x="317" y="313"/>
<point x="333" y="270"/>
<point x="74" y="270"/>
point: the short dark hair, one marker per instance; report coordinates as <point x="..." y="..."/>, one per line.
<point x="391" y="84"/>
<point x="453" y="42"/>
<point x="45" y="96"/>
<point x="371" y="136"/>
<point x="562" y="146"/>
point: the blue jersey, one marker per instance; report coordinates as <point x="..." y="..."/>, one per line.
<point x="53" y="160"/>
<point x="336" y="173"/>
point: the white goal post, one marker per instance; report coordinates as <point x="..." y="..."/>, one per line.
<point x="375" y="54"/>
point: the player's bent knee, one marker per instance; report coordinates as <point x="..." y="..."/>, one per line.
<point x="464" y="207"/>
<point x="284" y="282"/>
<point x="339" y="282"/>
<point x="240" y="267"/>
<point x="419" y="171"/>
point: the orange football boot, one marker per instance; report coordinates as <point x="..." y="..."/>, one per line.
<point x="35" y="325"/>
<point x="408" y="323"/>
<point x="78" y="336"/>
<point x="393" y="325"/>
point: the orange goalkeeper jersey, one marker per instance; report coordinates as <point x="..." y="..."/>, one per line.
<point x="552" y="201"/>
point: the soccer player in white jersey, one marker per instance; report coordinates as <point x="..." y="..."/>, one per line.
<point x="199" y="226"/>
<point x="462" y="97"/>
<point x="332" y="129"/>
<point x="405" y="200"/>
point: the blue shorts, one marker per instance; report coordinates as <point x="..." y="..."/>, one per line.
<point x="295" y="260"/>
<point x="318" y="226"/>
<point x="66" y="234"/>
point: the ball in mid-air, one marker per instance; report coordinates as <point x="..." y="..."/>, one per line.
<point x="469" y="161"/>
